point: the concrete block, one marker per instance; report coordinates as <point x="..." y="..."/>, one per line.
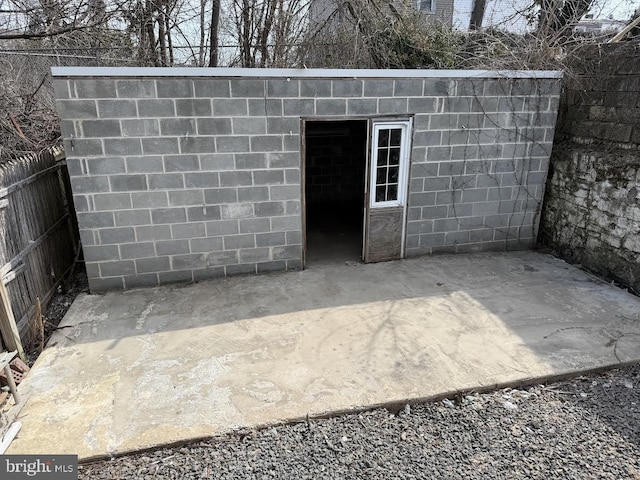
<point x="266" y="143"/>
<point x="282" y="224"/>
<point x="106" y="165"/>
<point x="378" y="88"/>
<point x="269" y="209"/>
<point x="212" y="88"/>
<point x="290" y="252"/>
<point x="239" y="210"/>
<point x="392" y="106"/>
<point x="90" y="184"/>
<point x="439" y="88"/>
<point x="294" y="264"/>
<point x="407" y="87"/>
<point x="189" y="107"/>
<point x="149" y="199"/>
<point x="470" y="87"/>
<point x="214" y="126"/>
<point x="485" y="208"/>
<point x="156" y="108"/>
<point x="165" y="181"/>
<point x="215" y="196"/>
<point x="223" y="107"/>
<point x="188" y="230"/>
<point x="180" y="276"/>
<point x="235" y="179"/>
<point x="285" y="192"/>
<point x="172" y="247"/>
<point x="254" y="255"/>
<point x="235" y="242"/>
<point x="246" y="88"/>
<point x="95" y="219"/>
<point x="94" y="88"/>
<point x="283" y="87"/>
<point x="128" y="183"/>
<point x="202" y="213"/>
<point x="331" y="106"/>
<point x="111" y="201"/>
<point x="137" y="250"/>
<point x="268" y="177"/>
<point x="97" y="285"/>
<point x="270" y="239"/>
<point x="268" y="107"/>
<point x="362" y="106"/>
<point x="347" y="88"/>
<point x="299" y="107"/>
<point x="434" y="184"/>
<point x="293" y="238"/>
<point x="209" y="273"/>
<point x="470" y="195"/>
<point x="61" y="88"/>
<point x="177" y="126"/>
<point x="77" y="109"/>
<point x="416" y="228"/>
<point x="152" y="265"/>
<point x="275" y="266"/>
<point x="117" y="235"/>
<point x="292" y="176"/>
<point x="142" y="127"/>
<point x="250" y="161"/>
<point x="428" y="138"/>
<point x="145" y="164"/>
<point x="233" y="144"/>
<point x="201" y="180"/>
<point x="122" y="146"/>
<point x="181" y="163"/>
<point x="500" y="193"/>
<point x="254" y="225"/>
<point x="422" y="199"/>
<point x="431" y="239"/>
<point x="83" y="147"/>
<point x="207" y="244"/>
<point x="153" y="233"/>
<point x="315" y="88"/>
<point x="423" y="105"/>
<point x="168" y="215"/>
<point x="222" y="227"/>
<point x="75" y="167"/>
<point x="136" y="88"/>
<point x="117" y="108"/>
<point x="87" y="236"/>
<point x="244" y="269"/>
<point x="283" y="159"/>
<point x="100" y="253"/>
<point x="253" y="194"/>
<point x="101" y="128"/>
<point x="81" y="203"/>
<point x="185" y="197"/>
<point x="185" y="262"/>
<point x="485" y="104"/>
<point x="249" y="125"/>
<point x="283" y="125"/>
<point x="291" y="143"/>
<point x="164" y="146"/>
<point x="174" y="88"/>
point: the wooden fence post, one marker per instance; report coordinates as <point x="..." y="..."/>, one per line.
<point x="8" y="327"/>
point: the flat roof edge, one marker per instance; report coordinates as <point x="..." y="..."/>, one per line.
<point x="154" y="72"/>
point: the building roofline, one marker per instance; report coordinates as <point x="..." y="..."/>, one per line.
<point x="156" y="72"/>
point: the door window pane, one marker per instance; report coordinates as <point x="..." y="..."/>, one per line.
<point x="396" y="136"/>
<point x="381" y="193"/>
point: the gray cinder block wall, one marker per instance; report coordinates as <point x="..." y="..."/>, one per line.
<point x="188" y="174"/>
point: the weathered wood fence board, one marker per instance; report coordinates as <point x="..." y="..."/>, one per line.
<point x="38" y="240"/>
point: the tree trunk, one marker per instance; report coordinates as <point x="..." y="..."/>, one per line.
<point x="477" y="15"/>
<point x="213" y="33"/>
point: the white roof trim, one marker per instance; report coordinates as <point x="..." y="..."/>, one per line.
<point x="155" y="72"/>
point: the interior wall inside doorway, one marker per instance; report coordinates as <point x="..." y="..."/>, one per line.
<point x="335" y="163"/>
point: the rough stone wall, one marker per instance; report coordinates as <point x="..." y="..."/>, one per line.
<point x="592" y="205"/>
<point x="187" y="178"/>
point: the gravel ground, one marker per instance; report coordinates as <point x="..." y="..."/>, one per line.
<point x="588" y="427"/>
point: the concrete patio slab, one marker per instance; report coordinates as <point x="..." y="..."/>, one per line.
<point x="137" y="369"/>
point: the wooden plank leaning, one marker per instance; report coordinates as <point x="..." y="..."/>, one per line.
<point x="8" y="326"/>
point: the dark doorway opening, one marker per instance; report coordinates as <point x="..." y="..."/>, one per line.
<point x="335" y="163"/>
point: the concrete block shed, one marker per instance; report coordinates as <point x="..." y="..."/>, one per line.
<point x="189" y="174"/>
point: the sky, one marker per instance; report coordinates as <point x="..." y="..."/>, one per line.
<point x="506" y="12"/>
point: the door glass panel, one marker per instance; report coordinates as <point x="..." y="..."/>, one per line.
<point x="393" y="174"/>
<point x="383" y="156"/>
<point x="381" y="176"/>
<point x="392" y="192"/>
<point x="383" y="138"/>
<point x="396" y="136"/>
<point x="394" y="156"/>
<point x="381" y="193"/>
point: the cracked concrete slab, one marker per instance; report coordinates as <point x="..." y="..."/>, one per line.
<point x="137" y="369"/>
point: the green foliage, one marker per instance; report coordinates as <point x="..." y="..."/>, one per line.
<point x="410" y="42"/>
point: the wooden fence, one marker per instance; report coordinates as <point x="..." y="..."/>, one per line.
<point x="38" y="239"/>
